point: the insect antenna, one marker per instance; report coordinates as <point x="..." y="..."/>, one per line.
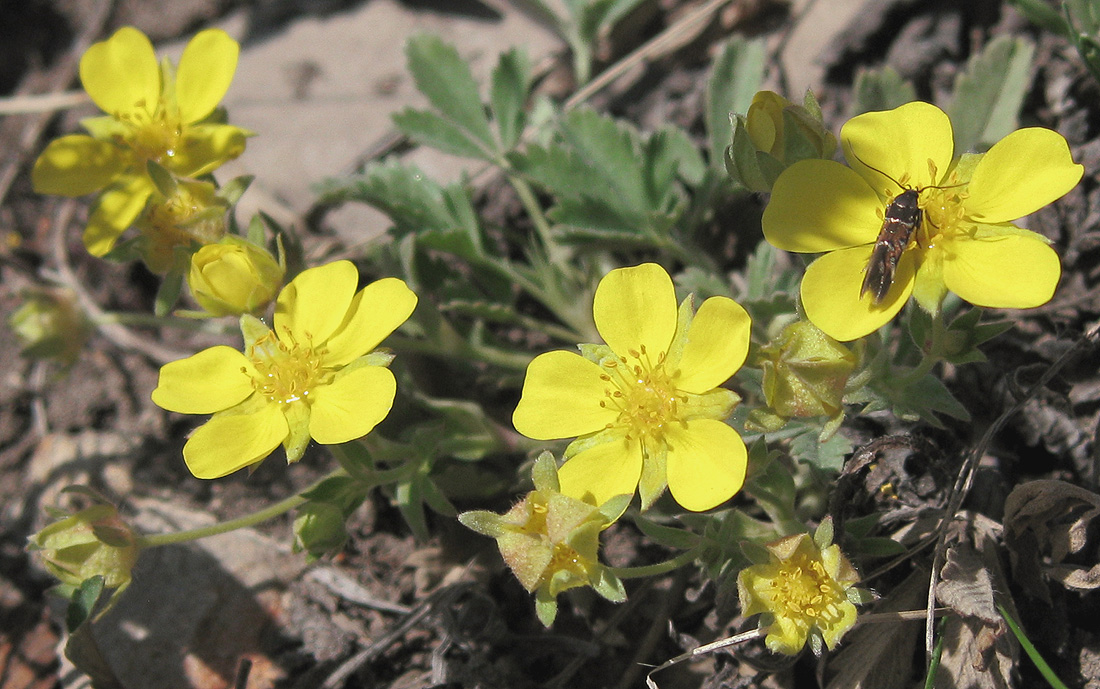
<point x="930" y="186"/>
<point x="867" y="165"/>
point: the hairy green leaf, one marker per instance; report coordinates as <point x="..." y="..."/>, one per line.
<point x="445" y="79"/>
<point x="510" y="83"/>
<point x="433" y="130"/>
<point x="734" y="79"/>
<point x="988" y="94"/>
<point x="880" y="89"/>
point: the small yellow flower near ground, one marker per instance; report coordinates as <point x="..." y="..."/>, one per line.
<point x="646" y="407"/>
<point x="154" y="113"/>
<point x="966" y="242"/>
<point x="804" y="590"/>
<point x="314" y="375"/>
<point x="550" y="541"/>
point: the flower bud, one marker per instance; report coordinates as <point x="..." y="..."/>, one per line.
<point x="234" y="277"/>
<point x="50" y="325"/>
<point x="774" y="135"/>
<point x="319" y="529"/>
<point x="93" y="541"/>
<point x="805" y="373"/>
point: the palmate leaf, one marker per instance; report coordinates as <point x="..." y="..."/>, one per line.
<point x="445" y="79"/>
<point x="610" y="180"/>
<point x="416" y="204"/>
<point x="988" y="94"/>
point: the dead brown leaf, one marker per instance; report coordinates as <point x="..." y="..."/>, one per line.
<point x="1050" y="519"/>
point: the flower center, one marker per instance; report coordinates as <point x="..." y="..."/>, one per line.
<point x="943" y="212"/>
<point x="152" y="135"/>
<point x="566" y="558"/>
<point x="803" y="589"/>
<point x="286" y="370"/>
<point x="644" y="392"/>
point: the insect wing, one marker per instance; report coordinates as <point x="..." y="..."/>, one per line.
<point x="903" y="217"/>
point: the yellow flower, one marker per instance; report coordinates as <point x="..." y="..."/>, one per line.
<point x="313" y="375"/>
<point x="804" y="590"/>
<point x="154" y="113"/>
<point x="550" y="540"/>
<point x="646" y="406"/>
<point x="966" y="243"/>
<point x="193" y="214"/>
<point x="233" y="277"/>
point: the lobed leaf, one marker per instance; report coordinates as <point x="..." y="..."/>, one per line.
<point x="445" y="79"/>
<point x="988" y="94"/>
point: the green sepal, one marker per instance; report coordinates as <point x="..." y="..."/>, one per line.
<point x="667" y="536"/>
<point x="83" y="601"/>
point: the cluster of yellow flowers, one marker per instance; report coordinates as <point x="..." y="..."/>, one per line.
<point x="149" y="160"/>
<point x="646" y="408"/>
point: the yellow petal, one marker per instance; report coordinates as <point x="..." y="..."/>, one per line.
<point x="1008" y="272"/>
<point x="375" y="312"/>
<point x="297" y="437"/>
<point x="717" y="343"/>
<point x="601" y="472"/>
<point x="929" y="289"/>
<point x="820" y="205"/>
<point x="229" y="442"/>
<point x="764" y="121"/>
<point x="635" y="308"/>
<point x="210" y="381"/>
<point x="316" y="302"/>
<point x="1023" y="172"/>
<point x="562" y="396"/>
<point x="75" y="165"/>
<point x="206" y="147"/>
<point x="352" y="405"/>
<point x="899" y="142"/>
<point x="115" y="211"/>
<point x="830" y="293"/>
<point x="787" y="635"/>
<point x="205" y="72"/>
<point x="834" y="627"/>
<point x="706" y="463"/>
<point x="121" y="74"/>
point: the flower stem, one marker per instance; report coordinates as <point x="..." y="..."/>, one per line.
<point x="534" y="210"/>
<point x="930" y="358"/>
<point x="281" y="507"/>
<point x="204" y="325"/>
<point x="684" y="558"/>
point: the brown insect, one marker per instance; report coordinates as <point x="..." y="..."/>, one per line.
<point x="903" y="217"/>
